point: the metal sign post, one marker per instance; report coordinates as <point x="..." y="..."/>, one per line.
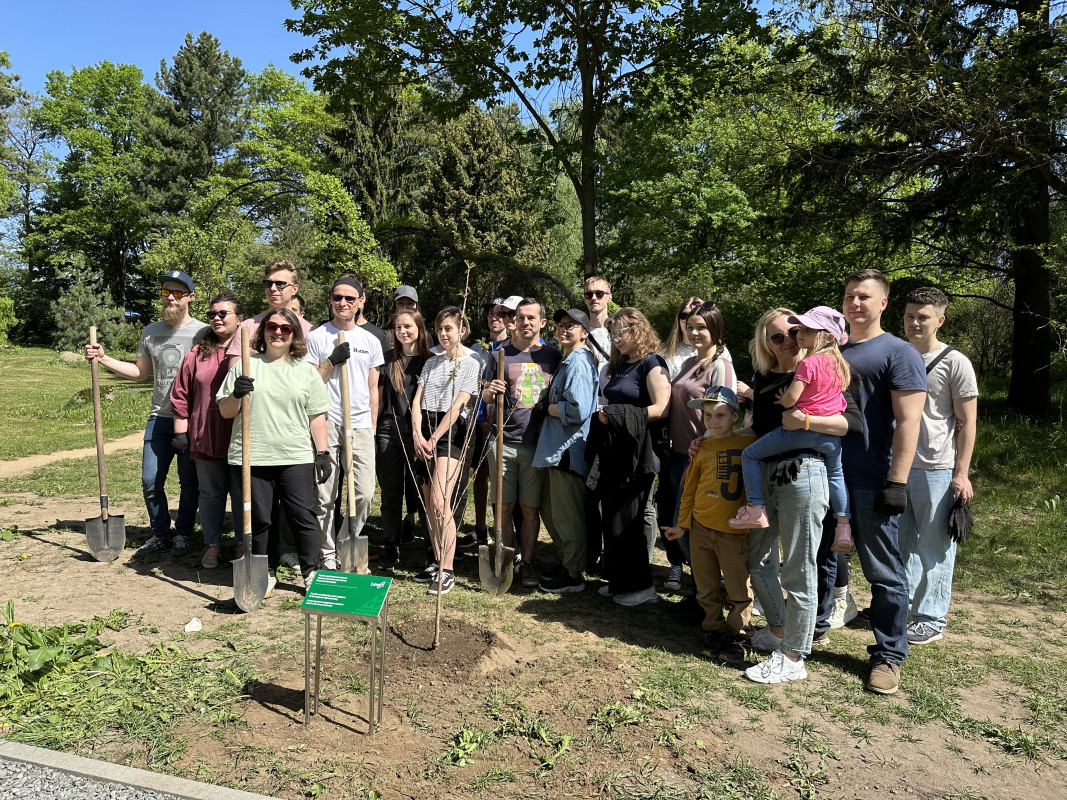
<point x="341" y="594"/>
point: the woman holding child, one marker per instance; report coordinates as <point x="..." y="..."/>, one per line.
<point x="796" y="495"/>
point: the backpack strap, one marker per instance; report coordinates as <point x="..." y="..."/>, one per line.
<point x="930" y="367"/>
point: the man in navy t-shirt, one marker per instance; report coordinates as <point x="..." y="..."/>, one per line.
<point x="892" y="388"/>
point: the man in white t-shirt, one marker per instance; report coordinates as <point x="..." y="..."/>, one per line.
<point x="940" y="474"/>
<point x="361" y="355"/>
<point x="597" y="299"/>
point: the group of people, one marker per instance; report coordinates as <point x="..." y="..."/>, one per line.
<point x="846" y="438"/>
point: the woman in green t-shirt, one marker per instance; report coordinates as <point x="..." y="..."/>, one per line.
<point x="287" y="432"/>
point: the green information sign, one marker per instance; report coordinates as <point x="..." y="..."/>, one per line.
<point x="344" y="594"/>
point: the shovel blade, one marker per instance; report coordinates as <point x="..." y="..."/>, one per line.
<point x="106" y="537"/>
<point x="353" y="554"/>
<point x="249" y="580"/>
<point x="496" y="573"/>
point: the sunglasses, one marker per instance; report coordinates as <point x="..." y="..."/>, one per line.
<point x="567" y="326"/>
<point x="597" y="293"/>
<point x="778" y="338"/>
<point x="279" y="285"/>
<point x="217" y="314"/>
<point x="344" y="298"/>
<point x="502" y="314"/>
<point x="618" y="334"/>
<point x="177" y="294"/>
<point x="696" y="305"/>
<point x="284" y="328"/>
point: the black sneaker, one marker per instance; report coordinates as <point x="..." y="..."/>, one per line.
<point x="481" y="533"/>
<point x="389" y="559"/>
<point x="466" y="541"/>
<point x="732" y="651"/>
<point x="428" y="574"/>
<point x="560" y="583"/>
<point x="407" y="531"/>
<point x="180" y="546"/>
<point x="528" y="575"/>
<point x="151" y="547"/>
<point x="448" y="580"/>
<point x="712" y="645"/>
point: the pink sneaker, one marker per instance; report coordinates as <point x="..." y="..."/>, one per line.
<point x="750" y="517"/>
<point x="210" y="559"/>
<point x="842" y="538"/>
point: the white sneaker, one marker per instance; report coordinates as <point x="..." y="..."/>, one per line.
<point x="674" y="579"/>
<point x="765" y="640"/>
<point x="637" y="598"/>
<point x="271" y="583"/>
<point x="757" y="607"/>
<point x="604" y="591"/>
<point x="777" y="669"/>
<point x="844" y="611"/>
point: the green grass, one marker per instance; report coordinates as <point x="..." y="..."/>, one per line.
<point x="77" y="477"/>
<point x="39" y="415"/>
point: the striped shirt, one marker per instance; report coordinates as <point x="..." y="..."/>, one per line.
<point x="444" y="378"/>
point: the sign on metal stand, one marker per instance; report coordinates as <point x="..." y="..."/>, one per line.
<point x="341" y="594"/>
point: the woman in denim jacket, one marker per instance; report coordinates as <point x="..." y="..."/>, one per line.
<point x="569" y="404"/>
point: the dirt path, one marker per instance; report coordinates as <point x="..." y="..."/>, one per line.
<point x="18" y="466"/>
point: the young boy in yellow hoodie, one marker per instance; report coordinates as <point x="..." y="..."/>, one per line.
<point x="713" y="492"/>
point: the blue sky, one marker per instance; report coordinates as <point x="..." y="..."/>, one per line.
<point x="61" y="34"/>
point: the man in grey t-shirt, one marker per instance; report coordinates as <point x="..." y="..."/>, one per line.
<point x="160" y="353"/>
<point x="940" y="472"/>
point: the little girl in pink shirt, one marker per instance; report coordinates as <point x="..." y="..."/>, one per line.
<point x="817" y="391"/>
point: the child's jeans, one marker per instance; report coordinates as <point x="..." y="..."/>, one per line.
<point x="713" y="553"/>
<point x="781" y="441"/>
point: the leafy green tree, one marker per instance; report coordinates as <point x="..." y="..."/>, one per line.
<point x="492" y="51"/>
<point x="91" y="209"/>
<point x="949" y="132"/>
<point x="193" y="122"/>
<point x="9" y="93"/>
<point x="85" y="302"/>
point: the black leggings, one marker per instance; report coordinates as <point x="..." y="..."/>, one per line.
<point x="294" y="486"/>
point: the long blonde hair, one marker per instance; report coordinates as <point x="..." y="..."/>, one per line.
<point x="826" y="345"/>
<point x="763" y="360"/>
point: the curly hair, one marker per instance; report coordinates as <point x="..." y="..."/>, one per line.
<point x="763" y="360"/>
<point x="642" y="333"/>
<point x="297" y="347"/>
<point x="209" y="342"/>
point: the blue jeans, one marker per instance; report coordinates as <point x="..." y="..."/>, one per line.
<point x="781" y="441"/>
<point x="155" y="464"/>
<point x="216" y="482"/>
<point x="878" y="547"/>
<point x="928" y="550"/>
<point x="795" y="513"/>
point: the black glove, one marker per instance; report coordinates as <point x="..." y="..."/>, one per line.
<point x="786" y="472"/>
<point x="340" y="354"/>
<point x="180" y="442"/>
<point x="893" y="499"/>
<point x="323" y="466"/>
<point x="242" y="386"/>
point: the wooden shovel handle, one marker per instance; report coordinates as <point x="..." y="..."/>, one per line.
<point x="346" y="412"/>
<point x="98" y="422"/>
<point x="500" y="443"/>
<point x="246" y="452"/>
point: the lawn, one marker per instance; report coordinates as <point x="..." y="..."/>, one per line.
<point x="531" y="695"/>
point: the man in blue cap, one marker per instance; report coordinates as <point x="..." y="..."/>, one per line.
<point x="160" y="353"/>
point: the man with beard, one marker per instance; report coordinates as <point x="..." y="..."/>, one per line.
<point x="160" y="353"/>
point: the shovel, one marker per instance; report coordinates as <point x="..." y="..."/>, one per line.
<point x="249" y="571"/>
<point x="352" y="552"/>
<point x="496" y="563"/>
<point x="106" y="534"/>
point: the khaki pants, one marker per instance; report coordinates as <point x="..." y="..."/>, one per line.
<point x="713" y="553"/>
<point x="326" y="493"/>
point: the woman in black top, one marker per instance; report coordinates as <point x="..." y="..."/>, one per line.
<point x="395" y="459"/>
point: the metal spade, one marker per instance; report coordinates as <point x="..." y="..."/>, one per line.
<point x="496" y="563"/>
<point x="352" y="551"/>
<point x="249" y="571"/>
<point x="106" y="534"/>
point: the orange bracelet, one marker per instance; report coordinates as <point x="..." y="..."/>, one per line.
<point x="807" y="420"/>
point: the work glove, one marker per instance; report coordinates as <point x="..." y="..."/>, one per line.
<point x="323" y="466"/>
<point x="242" y="386"/>
<point x="893" y="499"/>
<point x="180" y="442"/>
<point x="786" y="472"/>
<point x="340" y="354"/>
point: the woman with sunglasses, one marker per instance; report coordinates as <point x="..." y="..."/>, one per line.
<point x="201" y="429"/>
<point x="630" y="441"/>
<point x="289" y="451"/>
<point x="797" y="501"/>
<point x="708" y="366"/>
<point x="395" y="461"/>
